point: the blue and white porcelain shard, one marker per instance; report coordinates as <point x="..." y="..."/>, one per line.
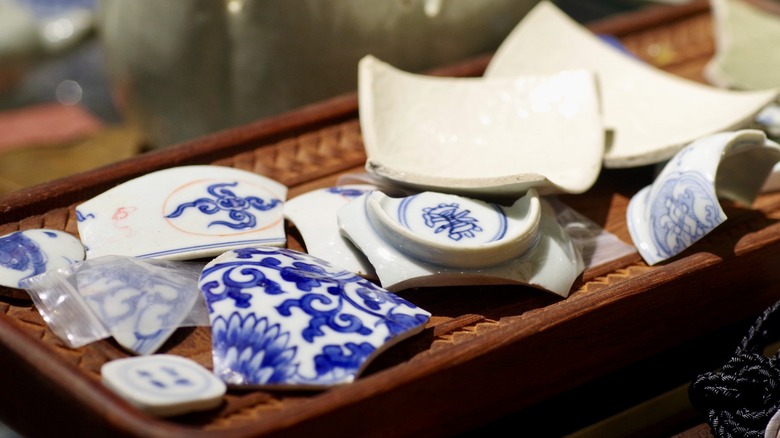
<point x="288" y="320"/>
<point x="550" y="262"/>
<point x="141" y="302"/>
<point x="314" y="215"/>
<point x="652" y="114"/>
<point x="163" y="385"/>
<point x="185" y="212"/>
<point x="455" y="231"/>
<point x="482" y="137"/>
<point x="25" y="254"/>
<point x="682" y="205"/>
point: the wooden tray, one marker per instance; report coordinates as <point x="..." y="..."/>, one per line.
<point x="487" y="352"/>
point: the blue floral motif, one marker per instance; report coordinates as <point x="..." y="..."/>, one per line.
<point x="446" y="217"/>
<point x="683" y="212"/>
<point x="225" y="200"/>
<point x="251" y="351"/>
<point x="20" y="253"/>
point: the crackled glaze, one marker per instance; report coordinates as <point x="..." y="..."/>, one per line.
<point x="651" y="113"/>
<point x="481" y="137"/>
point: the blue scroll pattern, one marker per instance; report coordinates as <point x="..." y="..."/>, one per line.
<point x="239" y="209"/>
<point x="256" y="343"/>
<point x="682" y="212"/>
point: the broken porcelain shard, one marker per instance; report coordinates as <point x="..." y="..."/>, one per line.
<point x="652" y="114"/>
<point x="25" y="254"/>
<point x="314" y="215"/>
<point x="482" y="137"/>
<point x="682" y="205"/>
<point x="141" y="303"/>
<point x="455" y="231"/>
<point x="287" y="320"/>
<point x="163" y="385"/>
<point x="182" y="213"/>
<point x="550" y="262"/>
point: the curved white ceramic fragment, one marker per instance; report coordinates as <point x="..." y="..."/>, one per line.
<point x="25" y="254"/>
<point x="288" y="320"/>
<point x="552" y="264"/>
<point x="184" y="212"/>
<point x="681" y="206"/>
<point x="314" y="215"/>
<point x="163" y="385"/>
<point x="455" y="231"/>
<point x="742" y="32"/>
<point x="652" y="114"/>
<point x="476" y="136"/>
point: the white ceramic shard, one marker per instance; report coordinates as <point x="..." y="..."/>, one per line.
<point x="141" y="302"/>
<point x="743" y="30"/>
<point x="682" y="206"/>
<point x="138" y="302"/>
<point x="455" y="231"/>
<point x="288" y="320"/>
<point x="185" y="212"/>
<point x="163" y="385"/>
<point x="314" y="215"/>
<point x="552" y="263"/>
<point x="476" y="136"/>
<point x="652" y="114"/>
<point x="24" y="254"/>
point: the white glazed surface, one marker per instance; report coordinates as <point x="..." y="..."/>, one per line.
<point x="742" y="34"/>
<point x="551" y="265"/>
<point x="653" y="114"/>
<point x="182" y="213"/>
<point x="455" y="231"/>
<point x="28" y="253"/>
<point x="163" y="384"/>
<point x="773" y="427"/>
<point x="475" y="136"/>
<point x="288" y="320"/>
<point x="682" y="206"/>
<point x="314" y="215"/>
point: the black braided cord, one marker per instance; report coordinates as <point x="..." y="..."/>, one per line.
<point x="741" y="398"/>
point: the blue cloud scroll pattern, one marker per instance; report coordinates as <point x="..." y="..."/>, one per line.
<point x="283" y="318"/>
<point x="683" y="211"/>
<point x="224" y="200"/>
<point x="20" y="253"/>
<point x="29" y="253"/>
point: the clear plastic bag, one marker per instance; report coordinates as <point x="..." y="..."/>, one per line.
<point x="140" y="302"/>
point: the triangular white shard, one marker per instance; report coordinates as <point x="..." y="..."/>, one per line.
<point x="652" y="113"/>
